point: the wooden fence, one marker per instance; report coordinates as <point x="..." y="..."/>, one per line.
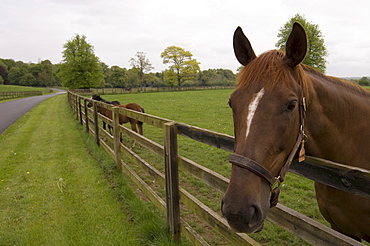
<point x="337" y="175"/>
<point x="103" y="91"/>
<point x="14" y="94"/>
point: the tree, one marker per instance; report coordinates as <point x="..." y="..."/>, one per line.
<point x="46" y="75"/>
<point x="117" y="77"/>
<point x="81" y="67"/>
<point x="15" y="74"/>
<point x="3" y="73"/>
<point x="142" y="64"/>
<point x="28" y="80"/>
<point x="183" y="67"/>
<point x="216" y="77"/>
<point x="316" y="48"/>
<point x="364" y="81"/>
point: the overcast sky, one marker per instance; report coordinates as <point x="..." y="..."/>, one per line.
<point x="33" y="30"/>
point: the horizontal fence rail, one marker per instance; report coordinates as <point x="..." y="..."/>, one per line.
<point x="343" y="177"/>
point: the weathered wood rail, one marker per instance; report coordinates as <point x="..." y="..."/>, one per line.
<point x="337" y="175"/>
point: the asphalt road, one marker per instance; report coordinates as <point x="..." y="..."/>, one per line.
<point x="11" y="111"/>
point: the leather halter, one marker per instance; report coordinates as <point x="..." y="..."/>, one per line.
<point x="262" y="172"/>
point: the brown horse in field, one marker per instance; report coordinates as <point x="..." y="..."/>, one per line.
<point x="282" y="107"/>
<point x="122" y="118"/>
<point x="106" y="112"/>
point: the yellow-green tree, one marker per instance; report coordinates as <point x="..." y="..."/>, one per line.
<point x="183" y="67"/>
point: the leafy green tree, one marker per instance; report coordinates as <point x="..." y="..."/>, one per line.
<point x="81" y="67"/>
<point x="9" y="63"/>
<point x="133" y="77"/>
<point x="316" y="48"/>
<point x="117" y="77"/>
<point x="3" y="73"/>
<point x="28" y="80"/>
<point x="151" y="79"/>
<point x="142" y="64"/>
<point x="15" y="75"/>
<point x="183" y="67"/>
<point x="216" y="77"/>
<point x="170" y="77"/>
<point x="364" y="81"/>
<point x="46" y="75"/>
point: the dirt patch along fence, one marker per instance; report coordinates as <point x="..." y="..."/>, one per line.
<point x="175" y="197"/>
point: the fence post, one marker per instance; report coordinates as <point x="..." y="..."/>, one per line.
<point x="116" y="138"/>
<point x="172" y="179"/>
<point x="96" y="123"/>
<point x="80" y="110"/>
<point x="86" y="116"/>
<point x="76" y="106"/>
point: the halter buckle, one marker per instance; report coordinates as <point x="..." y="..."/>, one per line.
<point x="276" y="184"/>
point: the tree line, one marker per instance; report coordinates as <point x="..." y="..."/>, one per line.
<point x="82" y="69"/>
<point x="46" y="74"/>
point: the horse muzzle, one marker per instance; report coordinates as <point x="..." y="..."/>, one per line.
<point x="250" y="219"/>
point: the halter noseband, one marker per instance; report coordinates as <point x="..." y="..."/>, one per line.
<point x="262" y="172"/>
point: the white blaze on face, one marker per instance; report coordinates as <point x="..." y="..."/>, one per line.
<point x="252" y="109"/>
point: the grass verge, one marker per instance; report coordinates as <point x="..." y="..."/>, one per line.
<point x="20" y="88"/>
<point x="58" y="188"/>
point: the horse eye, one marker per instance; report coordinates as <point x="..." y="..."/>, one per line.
<point x="291" y="105"/>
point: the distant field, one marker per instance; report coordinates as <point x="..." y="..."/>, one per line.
<point x="20" y="88"/>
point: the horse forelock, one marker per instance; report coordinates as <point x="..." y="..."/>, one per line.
<point x="270" y="70"/>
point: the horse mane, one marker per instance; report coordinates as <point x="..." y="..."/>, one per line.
<point x="337" y="81"/>
<point x="270" y="68"/>
<point x="99" y="98"/>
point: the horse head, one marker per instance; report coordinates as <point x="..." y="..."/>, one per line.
<point x="267" y="116"/>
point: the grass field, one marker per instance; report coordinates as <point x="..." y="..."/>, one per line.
<point x="209" y="109"/>
<point x="20" y="88"/>
<point x="58" y="188"/>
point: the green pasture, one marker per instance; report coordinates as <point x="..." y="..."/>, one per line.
<point x="58" y="188"/>
<point x="20" y="88"/>
<point x="209" y="109"/>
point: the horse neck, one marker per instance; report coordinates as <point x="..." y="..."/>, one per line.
<point x="337" y="122"/>
<point x="105" y="101"/>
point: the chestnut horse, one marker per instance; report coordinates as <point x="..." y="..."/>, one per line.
<point x="122" y="118"/>
<point x="282" y="107"/>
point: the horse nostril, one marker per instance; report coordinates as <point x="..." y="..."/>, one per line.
<point x="222" y="205"/>
<point x="255" y="218"/>
<point x="250" y="219"/>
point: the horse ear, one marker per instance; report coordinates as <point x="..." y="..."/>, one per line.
<point x="242" y="47"/>
<point x="296" y="46"/>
